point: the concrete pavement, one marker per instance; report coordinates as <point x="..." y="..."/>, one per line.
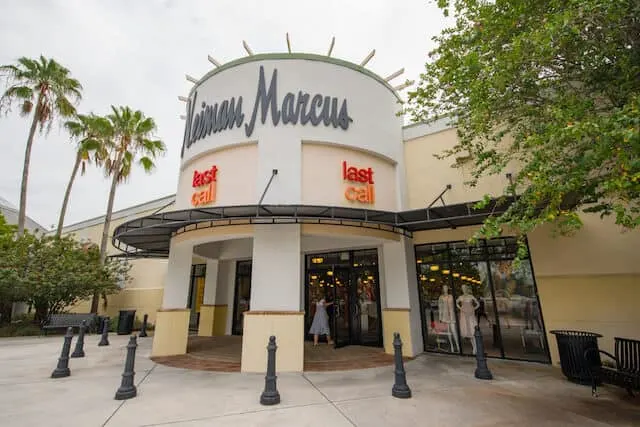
<point x="444" y="393"/>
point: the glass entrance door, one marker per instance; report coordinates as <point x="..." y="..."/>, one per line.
<point x="342" y="301"/>
<point x="350" y="281"/>
<point x="366" y="328"/>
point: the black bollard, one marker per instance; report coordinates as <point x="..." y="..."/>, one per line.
<point x="104" y="340"/>
<point x="79" y="350"/>
<point x="270" y="395"/>
<point x="62" y="370"/>
<point x="400" y="388"/>
<point x="482" y="371"/>
<point x="143" y="329"/>
<point x="127" y="388"/>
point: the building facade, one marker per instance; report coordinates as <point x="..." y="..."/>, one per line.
<point x="299" y="182"/>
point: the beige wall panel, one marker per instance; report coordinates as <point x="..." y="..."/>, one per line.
<point x="236" y="177"/>
<point x="427" y="176"/>
<point x="142" y="300"/>
<point x="397" y="320"/>
<point x="288" y="329"/>
<point x="94" y="233"/>
<point x="598" y="248"/>
<point x="147" y="273"/>
<point x="323" y="184"/>
<point x="604" y="304"/>
<point x="171" y="333"/>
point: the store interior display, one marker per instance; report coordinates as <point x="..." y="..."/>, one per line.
<point x="463" y="286"/>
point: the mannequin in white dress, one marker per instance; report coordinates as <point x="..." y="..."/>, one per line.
<point x="447" y="316"/>
<point x="467" y="305"/>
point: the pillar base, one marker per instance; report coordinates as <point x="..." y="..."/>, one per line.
<point x="288" y="328"/>
<point x="213" y="320"/>
<point x="171" y="332"/>
<point x="397" y="320"/>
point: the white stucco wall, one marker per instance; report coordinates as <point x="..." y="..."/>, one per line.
<point x="275" y="275"/>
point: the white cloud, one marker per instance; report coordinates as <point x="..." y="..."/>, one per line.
<point x="136" y="54"/>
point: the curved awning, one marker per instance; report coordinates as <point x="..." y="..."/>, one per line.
<point x="149" y="236"/>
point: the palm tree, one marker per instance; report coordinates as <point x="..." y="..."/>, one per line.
<point x="129" y="138"/>
<point x="55" y="93"/>
<point x="86" y="129"/>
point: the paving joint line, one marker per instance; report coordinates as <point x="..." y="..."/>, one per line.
<point x="124" y="401"/>
<point x="233" y="414"/>
<point x="329" y="400"/>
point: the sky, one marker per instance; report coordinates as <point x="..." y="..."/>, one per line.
<point x="137" y="53"/>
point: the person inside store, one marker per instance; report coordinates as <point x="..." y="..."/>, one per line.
<point x="320" y="324"/>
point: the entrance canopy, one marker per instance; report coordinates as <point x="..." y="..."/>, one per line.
<point x="149" y="236"/>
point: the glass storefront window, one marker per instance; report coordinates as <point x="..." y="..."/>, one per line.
<point x="518" y="310"/>
<point x="464" y="285"/>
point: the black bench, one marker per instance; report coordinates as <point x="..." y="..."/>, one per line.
<point x="64" y="320"/>
<point x="625" y="374"/>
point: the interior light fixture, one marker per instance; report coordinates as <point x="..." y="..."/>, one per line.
<point x="434" y="267"/>
<point x="456" y="274"/>
<point x="419" y="261"/>
<point x="369" y="277"/>
<point x="432" y="280"/>
<point x="445" y="272"/>
<point x="329" y="273"/>
<point x="314" y="277"/>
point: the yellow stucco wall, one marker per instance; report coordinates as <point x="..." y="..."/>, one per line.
<point x="427" y="176"/>
<point x="605" y="304"/>
<point x="144" y="301"/>
<point x="589" y="281"/>
<point x="288" y="329"/>
<point x="171" y="333"/>
<point x="396" y="320"/>
<point x="205" y="324"/>
<point x="220" y="320"/>
<point x="213" y="320"/>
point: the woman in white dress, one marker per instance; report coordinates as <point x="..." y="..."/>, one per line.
<point x="320" y="324"/>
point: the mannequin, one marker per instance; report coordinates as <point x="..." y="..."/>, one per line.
<point x="447" y="316"/>
<point x="467" y="305"/>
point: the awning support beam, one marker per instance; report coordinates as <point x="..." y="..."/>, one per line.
<point x="274" y="172"/>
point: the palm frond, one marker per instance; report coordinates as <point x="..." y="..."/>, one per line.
<point x="147" y="164"/>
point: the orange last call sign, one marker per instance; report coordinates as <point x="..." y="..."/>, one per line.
<point x="362" y="189"/>
<point x="205" y="185"/>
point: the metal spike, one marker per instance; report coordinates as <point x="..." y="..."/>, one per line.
<point x="404" y="85"/>
<point x="368" y="58"/>
<point x="213" y="61"/>
<point x="288" y="43"/>
<point x="191" y="79"/>
<point x="333" y="41"/>
<point x="183" y="98"/>
<point x="183" y="117"/>
<point x="247" y="48"/>
<point x="394" y="75"/>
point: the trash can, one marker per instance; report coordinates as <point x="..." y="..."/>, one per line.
<point x="125" y="322"/>
<point x="571" y="348"/>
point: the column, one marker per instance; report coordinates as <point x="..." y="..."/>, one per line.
<point x="275" y="307"/>
<point x="402" y="311"/>
<point x="208" y="307"/>
<point x="172" y="320"/>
